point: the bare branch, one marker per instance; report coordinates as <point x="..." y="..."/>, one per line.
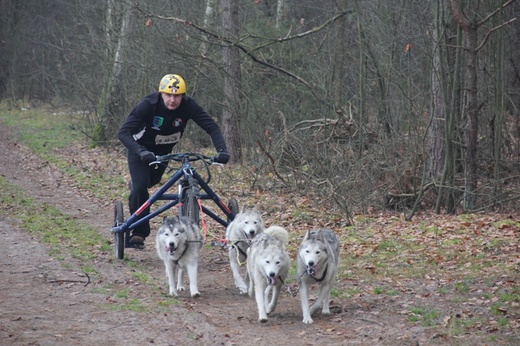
<point x="495" y="12"/>
<point x="248" y="51"/>
<point x="490" y="32"/>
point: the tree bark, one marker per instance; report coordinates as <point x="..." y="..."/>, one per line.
<point x="111" y="101"/>
<point x="232" y="79"/>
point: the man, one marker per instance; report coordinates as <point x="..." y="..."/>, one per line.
<point x="152" y="128"/>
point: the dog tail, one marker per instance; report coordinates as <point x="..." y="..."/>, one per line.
<point x="279" y="233"/>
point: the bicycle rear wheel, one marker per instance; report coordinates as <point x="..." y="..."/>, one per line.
<point x="119" y="237"/>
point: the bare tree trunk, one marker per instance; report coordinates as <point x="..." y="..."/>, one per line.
<point x="436" y="145"/>
<point x="339" y="62"/>
<point x="451" y="132"/>
<point x="472" y="46"/>
<point x="362" y="91"/>
<point x="231" y="126"/>
<point x="111" y="101"/>
<point x="279" y="12"/>
<point x="210" y="9"/>
<point x="498" y="118"/>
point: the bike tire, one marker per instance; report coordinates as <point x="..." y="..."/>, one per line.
<point x="191" y="208"/>
<point x="119" y="237"/>
<point x="233" y="206"/>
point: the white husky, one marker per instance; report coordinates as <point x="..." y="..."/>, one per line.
<point x="245" y="226"/>
<point x="267" y="266"/>
<point x="318" y="260"/>
<point x="178" y="244"/>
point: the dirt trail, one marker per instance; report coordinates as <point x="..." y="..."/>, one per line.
<point x="45" y="301"/>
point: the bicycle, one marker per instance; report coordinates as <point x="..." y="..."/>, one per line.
<point x="190" y="184"/>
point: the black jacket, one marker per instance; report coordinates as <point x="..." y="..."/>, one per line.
<point x="151" y="126"/>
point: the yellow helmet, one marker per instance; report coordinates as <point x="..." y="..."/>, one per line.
<point x="172" y="84"/>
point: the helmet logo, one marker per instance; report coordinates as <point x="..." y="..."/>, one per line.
<point x="175" y="85"/>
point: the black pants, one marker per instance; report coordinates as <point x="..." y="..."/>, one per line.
<point x="143" y="177"/>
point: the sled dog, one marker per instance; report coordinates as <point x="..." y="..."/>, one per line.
<point x="178" y="244"/>
<point x="245" y="226"/>
<point x="267" y="266"/>
<point x="318" y="260"/>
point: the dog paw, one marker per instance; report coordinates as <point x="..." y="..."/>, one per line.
<point x="262" y="319"/>
<point x="243" y="290"/>
<point x="307" y="320"/>
<point x="173" y="294"/>
<point x="180" y="288"/>
<point x="195" y="295"/>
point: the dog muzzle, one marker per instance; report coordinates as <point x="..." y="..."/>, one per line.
<point x="271" y="281"/>
<point x="171" y="248"/>
<point x="311" y="270"/>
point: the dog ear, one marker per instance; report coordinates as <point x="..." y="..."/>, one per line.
<point x="320" y="236"/>
<point x="307" y="235"/>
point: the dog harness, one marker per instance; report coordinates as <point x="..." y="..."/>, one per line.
<point x="176" y="261"/>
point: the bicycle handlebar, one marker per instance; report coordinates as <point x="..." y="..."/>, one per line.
<point x="184" y="156"/>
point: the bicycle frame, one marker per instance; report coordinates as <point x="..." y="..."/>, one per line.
<point x="185" y="171"/>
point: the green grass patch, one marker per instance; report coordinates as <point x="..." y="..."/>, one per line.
<point x="460" y="325"/>
<point x="43" y="132"/>
<point x="144" y="277"/>
<point x="351" y="292"/>
<point x="59" y="231"/>
<point x="50" y="135"/>
<point x="427" y="317"/>
<point x="129" y="305"/>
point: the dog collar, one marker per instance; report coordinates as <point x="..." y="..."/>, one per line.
<point x="176" y="261"/>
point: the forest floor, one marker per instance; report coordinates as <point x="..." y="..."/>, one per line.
<point x="399" y="282"/>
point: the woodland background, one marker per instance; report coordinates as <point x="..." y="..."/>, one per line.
<point x="402" y="104"/>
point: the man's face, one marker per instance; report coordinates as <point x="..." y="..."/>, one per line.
<point x="172" y="102"/>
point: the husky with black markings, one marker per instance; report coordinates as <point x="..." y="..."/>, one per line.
<point x="240" y="232"/>
<point x="318" y="260"/>
<point x="267" y="266"/>
<point x="178" y="244"/>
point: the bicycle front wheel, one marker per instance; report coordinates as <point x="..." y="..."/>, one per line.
<point x="190" y="207"/>
<point x="233" y="206"/>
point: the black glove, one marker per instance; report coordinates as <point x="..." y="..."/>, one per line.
<point x="222" y="157"/>
<point x="147" y="156"/>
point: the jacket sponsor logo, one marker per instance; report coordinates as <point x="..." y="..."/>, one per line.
<point x="177" y="122"/>
<point x="157" y="122"/>
<point x="169" y="139"/>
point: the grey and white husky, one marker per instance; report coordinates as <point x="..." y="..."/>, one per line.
<point x="318" y="260"/>
<point x="267" y="266"/>
<point x="178" y="244"/>
<point x="240" y="232"/>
